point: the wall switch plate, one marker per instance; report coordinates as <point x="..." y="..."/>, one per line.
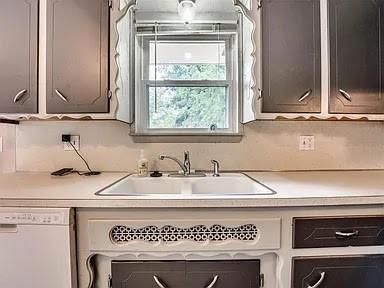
<point x="307" y="143"/>
<point x="1" y="144"/>
<point x="75" y="140"/>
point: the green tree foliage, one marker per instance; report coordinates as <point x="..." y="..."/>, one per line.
<point x="189" y="107"/>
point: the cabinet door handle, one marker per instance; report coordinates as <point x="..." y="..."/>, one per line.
<point x="159" y="282"/>
<point x="322" y="277"/>
<point x="62" y="97"/>
<point x="214" y="280"/>
<point x="305" y="95"/>
<point x="19" y="95"/>
<point x="346" y="95"/>
<point x="347" y="234"/>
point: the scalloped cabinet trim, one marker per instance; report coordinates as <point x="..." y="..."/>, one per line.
<point x="189" y="235"/>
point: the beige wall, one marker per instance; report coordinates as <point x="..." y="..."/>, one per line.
<point x="266" y="146"/>
<point x="7" y="157"/>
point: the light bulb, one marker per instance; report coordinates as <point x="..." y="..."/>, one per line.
<point x="187" y="10"/>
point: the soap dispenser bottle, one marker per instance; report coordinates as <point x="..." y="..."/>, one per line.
<point x="142" y="165"/>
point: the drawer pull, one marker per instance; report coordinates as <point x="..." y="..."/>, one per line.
<point x="322" y="277"/>
<point x="159" y="282"/>
<point x="347" y="234"/>
<point x="213" y="281"/>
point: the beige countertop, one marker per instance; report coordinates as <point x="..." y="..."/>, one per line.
<point x="293" y="189"/>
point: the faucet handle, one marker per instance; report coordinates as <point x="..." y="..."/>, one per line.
<point x="187" y="162"/>
<point x="216" y="167"/>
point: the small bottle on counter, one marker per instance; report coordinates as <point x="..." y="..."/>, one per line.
<point x="142" y="165"/>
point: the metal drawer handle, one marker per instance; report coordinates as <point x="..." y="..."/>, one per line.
<point x="305" y="95"/>
<point x="19" y="95"/>
<point x="347" y="234"/>
<point x="215" y="278"/>
<point x="322" y="277"/>
<point x="158" y="282"/>
<point x="61" y="96"/>
<point x="346" y="95"/>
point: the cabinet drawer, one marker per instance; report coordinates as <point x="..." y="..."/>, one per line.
<point x="148" y="274"/>
<point x="340" y="272"/>
<point x="223" y="274"/>
<point x="338" y="232"/>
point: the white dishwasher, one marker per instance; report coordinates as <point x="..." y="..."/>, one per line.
<point x="37" y="248"/>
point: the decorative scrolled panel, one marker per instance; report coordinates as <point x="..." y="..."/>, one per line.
<point x="121" y="234"/>
<point x="184" y="235"/>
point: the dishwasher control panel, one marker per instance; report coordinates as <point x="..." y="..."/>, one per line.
<point x="31" y="218"/>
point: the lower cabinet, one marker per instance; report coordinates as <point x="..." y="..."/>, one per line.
<point x="148" y="274"/>
<point x="223" y="274"/>
<point x="341" y="272"/>
<point x="188" y="274"/>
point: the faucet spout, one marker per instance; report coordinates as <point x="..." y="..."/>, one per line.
<point x="182" y="165"/>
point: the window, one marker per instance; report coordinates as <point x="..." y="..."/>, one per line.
<point x="187" y="81"/>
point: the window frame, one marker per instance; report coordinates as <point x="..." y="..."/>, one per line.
<point x="233" y="68"/>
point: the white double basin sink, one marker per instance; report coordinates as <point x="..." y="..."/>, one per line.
<point x="228" y="185"/>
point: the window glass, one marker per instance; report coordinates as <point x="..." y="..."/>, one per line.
<point x="188" y="107"/>
<point x="187" y="83"/>
<point x="199" y="60"/>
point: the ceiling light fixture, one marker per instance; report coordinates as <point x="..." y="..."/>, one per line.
<point x="187" y="9"/>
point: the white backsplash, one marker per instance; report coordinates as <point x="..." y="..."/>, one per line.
<point x="7" y="156"/>
<point x="267" y="145"/>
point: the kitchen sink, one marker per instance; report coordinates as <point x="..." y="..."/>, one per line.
<point x="227" y="185"/>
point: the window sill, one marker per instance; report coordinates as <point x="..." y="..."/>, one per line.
<point x="187" y="138"/>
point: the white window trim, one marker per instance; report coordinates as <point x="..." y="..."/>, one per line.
<point x="142" y="101"/>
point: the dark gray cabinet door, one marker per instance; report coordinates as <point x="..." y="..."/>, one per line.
<point x="148" y="274"/>
<point x="340" y="272"/>
<point x="186" y="274"/>
<point x="223" y="274"/>
<point x="77" y="56"/>
<point x="356" y="50"/>
<point x="291" y="50"/>
<point x="19" y="56"/>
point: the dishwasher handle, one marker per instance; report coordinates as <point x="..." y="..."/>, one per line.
<point x="8" y="228"/>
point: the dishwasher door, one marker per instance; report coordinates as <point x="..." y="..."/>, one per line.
<point x="37" y="248"/>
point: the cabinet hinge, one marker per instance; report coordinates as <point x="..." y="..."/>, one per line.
<point x="109" y="281"/>
<point x="259" y="94"/>
<point x="110" y="3"/>
<point x="109" y="94"/>
<point x="262" y="280"/>
<point x="259" y="4"/>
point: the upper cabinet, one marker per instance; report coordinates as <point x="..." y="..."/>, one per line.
<point x="291" y="67"/>
<point x="77" y="56"/>
<point x="356" y="50"/>
<point x="19" y="56"/>
<point x="249" y="59"/>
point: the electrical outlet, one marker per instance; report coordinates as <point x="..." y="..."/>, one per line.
<point x="307" y="143"/>
<point x="75" y="140"/>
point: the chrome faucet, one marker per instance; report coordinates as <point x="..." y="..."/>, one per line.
<point x="185" y="167"/>
<point x="216" y="167"/>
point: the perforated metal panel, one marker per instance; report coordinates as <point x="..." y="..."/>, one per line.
<point x="122" y="234"/>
